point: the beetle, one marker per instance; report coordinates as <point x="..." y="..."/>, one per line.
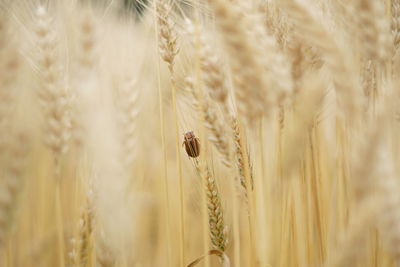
<point x="192" y="144"/>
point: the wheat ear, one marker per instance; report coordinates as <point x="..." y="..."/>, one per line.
<point x="87" y="41"/>
<point x="395" y="25"/>
<point x="213" y="75"/>
<point x="212" y="122"/>
<point x="86" y="70"/>
<point x="11" y="184"/>
<point x="104" y="256"/>
<point x="168" y="37"/>
<point x="247" y="71"/>
<point x="237" y="138"/>
<point x="277" y="70"/>
<point x="312" y="91"/>
<point x="215" y="80"/>
<point x="374" y="36"/>
<point x="276" y="23"/>
<point x="127" y="104"/>
<point x="53" y="93"/>
<point x="80" y="253"/>
<point x="217" y="227"/>
<point x="312" y="29"/>
<point x="9" y="67"/>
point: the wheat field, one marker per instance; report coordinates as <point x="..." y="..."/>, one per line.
<point x="200" y="133"/>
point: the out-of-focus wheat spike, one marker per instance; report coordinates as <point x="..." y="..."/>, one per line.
<point x="53" y="92"/>
<point x="312" y="92"/>
<point x="276" y="23"/>
<point x="80" y="253"/>
<point x="269" y="83"/>
<point x="110" y="178"/>
<point x="375" y="194"/>
<point x="86" y="69"/>
<point x="214" y="78"/>
<point x="213" y="75"/>
<point x="369" y="80"/>
<point x="3" y="29"/>
<point x="12" y="181"/>
<point x="275" y="64"/>
<point x="297" y="57"/>
<point x="395" y="25"/>
<point x="213" y="123"/>
<point x="312" y="29"/>
<point x="127" y="104"/>
<point x="300" y="55"/>
<point x="244" y="55"/>
<point x="87" y="42"/>
<point x="374" y="32"/>
<point x="167" y="35"/>
<point x="9" y="67"/>
<point x="104" y="255"/>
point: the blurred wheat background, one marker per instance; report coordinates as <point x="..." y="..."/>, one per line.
<point x="199" y="133"/>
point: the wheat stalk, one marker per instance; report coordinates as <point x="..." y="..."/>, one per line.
<point x="352" y="243"/>
<point x="388" y="213"/>
<point x="168" y="49"/>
